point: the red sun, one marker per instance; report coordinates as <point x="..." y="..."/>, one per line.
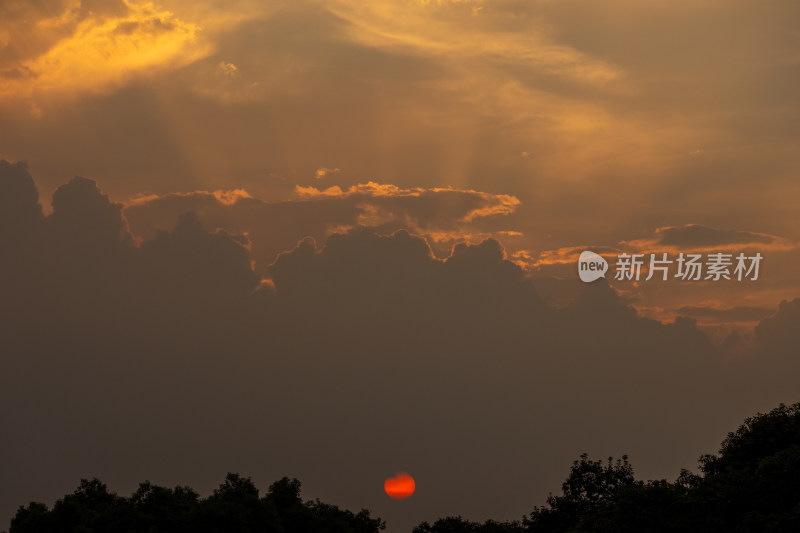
<point x="399" y="487"/>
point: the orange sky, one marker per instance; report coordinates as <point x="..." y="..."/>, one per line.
<point x="602" y="124"/>
<point x="257" y="335"/>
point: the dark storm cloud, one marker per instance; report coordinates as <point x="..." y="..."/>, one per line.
<point x="780" y="332"/>
<point x="19" y="205"/>
<point x="169" y="360"/>
<point x="85" y="219"/>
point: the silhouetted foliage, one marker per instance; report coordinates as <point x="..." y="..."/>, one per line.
<point x="234" y="507"/>
<point x="752" y="485"/>
<point x="588" y="485"/>
<point x="157" y="509"/>
<point x="456" y="524"/>
<point x="754" y="482"/>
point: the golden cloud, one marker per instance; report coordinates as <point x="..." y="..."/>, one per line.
<point x="321" y="172"/>
<point x="505" y="205"/>
<point x="224" y="197"/>
<point x="494" y="204"/>
<point x="105" y="51"/>
<point x="443" y="28"/>
<point x="560" y="256"/>
<point x="370" y="188"/>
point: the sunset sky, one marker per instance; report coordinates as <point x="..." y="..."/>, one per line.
<point x="317" y="129"/>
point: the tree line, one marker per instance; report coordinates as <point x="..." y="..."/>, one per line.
<point x="234" y="507"/>
<point x="751" y="485"/>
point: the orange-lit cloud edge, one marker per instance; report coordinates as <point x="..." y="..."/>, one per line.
<point x="492" y="205"/>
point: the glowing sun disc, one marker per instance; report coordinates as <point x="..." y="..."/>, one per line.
<point x="399" y="487"/>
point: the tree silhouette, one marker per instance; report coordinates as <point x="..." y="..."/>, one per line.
<point x="159" y="509"/>
<point x="589" y="483"/>
<point x="234" y="507"/>
<point x="456" y="524"/>
<point x="753" y="484"/>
